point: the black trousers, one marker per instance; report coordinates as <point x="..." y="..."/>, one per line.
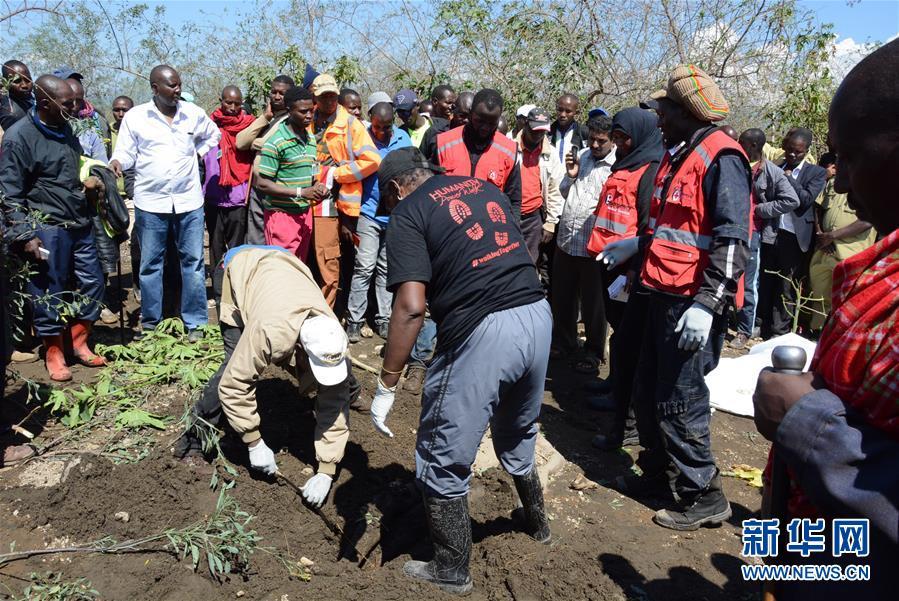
<point x="672" y="399"/>
<point x="625" y="345"/>
<point x="782" y="264"/>
<point x="532" y="230"/>
<point x="578" y="282"/>
<point x="227" y="227"/>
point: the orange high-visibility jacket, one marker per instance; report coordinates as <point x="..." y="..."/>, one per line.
<point x="352" y="149"/>
<point x="678" y="254"/>
<point x="616" y="211"/>
<point x="494" y="166"/>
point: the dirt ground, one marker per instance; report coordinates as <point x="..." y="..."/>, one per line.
<point x="605" y="545"/>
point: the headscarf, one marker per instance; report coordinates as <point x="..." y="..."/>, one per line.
<point x="235" y="165"/>
<point x="641" y="126"/>
<point x="88" y="111"/>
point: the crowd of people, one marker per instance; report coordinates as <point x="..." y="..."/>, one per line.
<point x="482" y="249"/>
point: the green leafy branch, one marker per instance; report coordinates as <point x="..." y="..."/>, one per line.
<point x="162" y="357"/>
<point x="223" y="538"/>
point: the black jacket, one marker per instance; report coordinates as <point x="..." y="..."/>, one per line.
<point x="579" y="137"/>
<point x="39" y="174"/>
<point x="11" y="110"/>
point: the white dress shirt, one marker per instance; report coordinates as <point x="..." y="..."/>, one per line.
<point x="164" y="156"/>
<point x="581" y="197"/>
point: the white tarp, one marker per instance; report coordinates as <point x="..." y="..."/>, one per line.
<point x="732" y="383"/>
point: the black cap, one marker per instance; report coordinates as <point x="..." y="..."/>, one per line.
<point x="402" y="160"/>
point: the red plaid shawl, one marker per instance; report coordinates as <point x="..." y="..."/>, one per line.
<point x="858" y="352"/>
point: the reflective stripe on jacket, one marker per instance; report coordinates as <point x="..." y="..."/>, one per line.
<point x="678" y="253"/>
<point x="355" y="156"/>
<point x="494" y="166"/>
<point x="616" y="213"/>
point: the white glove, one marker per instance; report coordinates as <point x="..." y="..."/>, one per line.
<point x="380" y="407"/>
<point x="696" y="323"/>
<point x="618" y="252"/>
<point x="263" y="459"/>
<point x="316" y="489"/>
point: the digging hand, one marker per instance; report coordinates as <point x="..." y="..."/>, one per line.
<point x="262" y="458"/>
<point x="380" y="407"/>
<point x="316" y="489"/>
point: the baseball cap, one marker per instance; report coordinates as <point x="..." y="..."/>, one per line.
<point x="323" y="84"/>
<point x="378" y="97"/>
<point x="524" y="109"/>
<point x="68" y="73"/>
<point x="693" y="89"/>
<point x="538" y="119"/>
<point x="325" y="344"/>
<point x="401" y="160"/>
<point x="405" y="100"/>
<point x="597" y="110"/>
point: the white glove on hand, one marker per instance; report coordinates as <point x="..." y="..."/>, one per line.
<point x="263" y="459"/>
<point x="618" y="252"/>
<point x="696" y="323"/>
<point x="380" y="407"/>
<point x="316" y="489"/>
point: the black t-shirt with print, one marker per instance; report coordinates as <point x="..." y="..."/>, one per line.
<point x="458" y="235"/>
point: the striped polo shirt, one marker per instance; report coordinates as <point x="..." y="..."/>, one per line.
<point x="289" y="161"/>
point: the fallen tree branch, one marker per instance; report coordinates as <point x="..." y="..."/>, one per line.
<point x="356" y="362"/>
<point x="96" y="546"/>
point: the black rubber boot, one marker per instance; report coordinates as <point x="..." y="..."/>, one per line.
<point x="533" y="511"/>
<point x="708" y="509"/>
<point x="450" y="526"/>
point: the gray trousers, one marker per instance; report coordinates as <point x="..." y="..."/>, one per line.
<point x="496" y="378"/>
<point x="255" y="219"/>
<point x="371" y="259"/>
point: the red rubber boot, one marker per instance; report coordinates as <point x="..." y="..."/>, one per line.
<point x="56" y="359"/>
<point x="80" y="330"/>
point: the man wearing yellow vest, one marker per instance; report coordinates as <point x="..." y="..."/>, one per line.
<point x="693" y="260"/>
<point x="347" y="156"/>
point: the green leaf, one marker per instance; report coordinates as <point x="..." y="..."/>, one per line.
<point x="138" y="418"/>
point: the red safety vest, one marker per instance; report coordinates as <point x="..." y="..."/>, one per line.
<point x="494" y="166"/>
<point x="682" y="235"/>
<point x="616" y="211"/>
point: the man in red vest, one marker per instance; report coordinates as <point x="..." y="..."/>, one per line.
<point x="477" y="149"/>
<point x="693" y="260"/>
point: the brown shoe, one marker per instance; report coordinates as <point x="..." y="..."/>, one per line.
<point x="739" y="341"/>
<point x="16" y="454"/>
<point x="415" y="379"/>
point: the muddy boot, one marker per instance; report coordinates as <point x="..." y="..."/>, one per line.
<point x="708" y="509"/>
<point x="450" y="527"/>
<point x="55" y="359"/>
<point x="80" y="331"/>
<point x="415" y="379"/>
<point x="532" y="511"/>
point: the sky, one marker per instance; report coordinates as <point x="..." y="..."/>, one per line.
<point x="862" y="21"/>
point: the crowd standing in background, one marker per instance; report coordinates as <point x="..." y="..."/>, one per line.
<point x="484" y="249"/>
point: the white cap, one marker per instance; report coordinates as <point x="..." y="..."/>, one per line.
<point x="524" y="109"/>
<point x="325" y="343"/>
<point x="377" y="97"/>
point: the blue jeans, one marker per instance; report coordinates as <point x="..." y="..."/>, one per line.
<point x="71" y="251"/>
<point x="371" y="259"/>
<point x="746" y="315"/>
<point x="154" y="230"/>
<point x="495" y="377"/>
<point x="424" y="345"/>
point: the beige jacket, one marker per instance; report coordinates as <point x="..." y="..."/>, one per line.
<point x="268" y="294"/>
<point x="551" y="173"/>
